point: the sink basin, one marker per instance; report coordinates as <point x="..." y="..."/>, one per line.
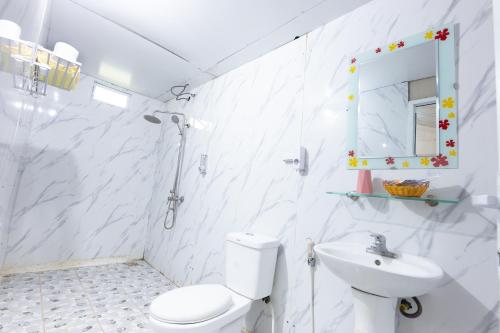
<point x="405" y="276"/>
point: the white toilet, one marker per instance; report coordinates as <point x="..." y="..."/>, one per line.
<point x="213" y="308"/>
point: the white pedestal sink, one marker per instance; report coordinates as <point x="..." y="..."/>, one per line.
<point x="377" y="282"/>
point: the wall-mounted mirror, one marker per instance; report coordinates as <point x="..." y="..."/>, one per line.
<point x="402" y="109"/>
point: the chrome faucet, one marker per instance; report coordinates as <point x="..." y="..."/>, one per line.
<point x="379" y="247"/>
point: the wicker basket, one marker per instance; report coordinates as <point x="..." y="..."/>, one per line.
<point x="405" y="189"/>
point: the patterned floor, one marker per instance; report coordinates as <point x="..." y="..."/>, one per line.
<point x="109" y="298"/>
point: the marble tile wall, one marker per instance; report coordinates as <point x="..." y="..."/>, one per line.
<point x="248" y="120"/>
<point x="15" y="123"/>
<point x="460" y="238"/>
<point x="15" y="115"/>
<point x="85" y="181"/>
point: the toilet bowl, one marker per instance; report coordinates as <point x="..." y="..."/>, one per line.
<point x="214" y="308"/>
<point x="219" y="310"/>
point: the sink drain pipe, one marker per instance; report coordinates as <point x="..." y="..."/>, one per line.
<point x="410" y="307"/>
<point x="311" y="262"/>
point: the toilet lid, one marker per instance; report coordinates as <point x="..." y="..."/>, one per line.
<point x="194" y="304"/>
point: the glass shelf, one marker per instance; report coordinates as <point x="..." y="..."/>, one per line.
<point x="430" y="200"/>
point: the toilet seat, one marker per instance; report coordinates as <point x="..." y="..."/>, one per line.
<point x="192" y="304"/>
<point x="240" y="306"/>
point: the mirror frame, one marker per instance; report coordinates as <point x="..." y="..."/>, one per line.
<point x="446" y="101"/>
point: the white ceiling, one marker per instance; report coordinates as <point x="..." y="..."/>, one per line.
<point x="148" y="46"/>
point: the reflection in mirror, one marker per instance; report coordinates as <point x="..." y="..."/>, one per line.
<point x="397" y="112"/>
<point x="426" y="130"/>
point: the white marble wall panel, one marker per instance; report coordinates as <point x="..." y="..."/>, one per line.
<point x="16" y="112"/>
<point x="247" y="188"/>
<point x="460" y="238"/>
<point x="247" y="122"/>
<point x="86" y="180"/>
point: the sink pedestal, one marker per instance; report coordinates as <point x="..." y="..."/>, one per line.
<point x="374" y="314"/>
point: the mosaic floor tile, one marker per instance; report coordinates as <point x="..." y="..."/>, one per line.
<point x="105" y="299"/>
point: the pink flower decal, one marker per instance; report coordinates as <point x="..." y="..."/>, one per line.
<point x="439" y="160"/>
<point x="353" y="60"/>
<point x="378" y="50"/>
<point x="401" y="44"/>
<point x="444" y="124"/>
<point x="450" y="143"/>
<point x="442" y="34"/>
<point x="389" y="160"/>
<point x="351" y="153"/>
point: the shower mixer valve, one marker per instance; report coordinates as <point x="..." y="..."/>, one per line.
<point x="174" y="198"/>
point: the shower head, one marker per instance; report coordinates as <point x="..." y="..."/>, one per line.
<point x="175" y="119"/>
<point x="152" y="119"/>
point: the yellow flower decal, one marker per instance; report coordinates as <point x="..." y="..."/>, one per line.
<point x="406" y="164"/>
<point x="393" y="46"/>
<point x="350" y="97"/>
<point x="451" y="115"/>
<point x="453" y="152"/>
<point x="424" y="161"/>
<point x="353" y="162"/>
<point x="429" y="35"/>
<point x="448" y="103"/>
<point x="352" y="69"/>
<point x="364" y="163"/>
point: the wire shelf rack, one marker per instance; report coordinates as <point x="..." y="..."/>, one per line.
<point x="34" y="67"/>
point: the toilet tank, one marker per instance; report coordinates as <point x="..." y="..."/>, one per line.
<point x="250" y="264"/>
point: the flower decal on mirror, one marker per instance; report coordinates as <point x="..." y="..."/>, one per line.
<point x="444" y="124"/>
<point x="353" y="60"/>
<point x="353" y="162"/>
<point x="350" y="98"/>
<point x="389" y="160"/>
<point x="453" y="152"/>
<point x="378" y="50"/>
<point x="425" y="161"/>
<point x="350" y="153"/>
<point x="406" y="164"/>
<point x="364" y="163"/>
<point x="352" y="69"/>
<point x="393" y="46"/>
<point x="450" y="143"/>
<point x="440" y="160"/>
<point x="448" y="103"/>
<point x="401" y="44"/>
<point x="451" y="115"/>
<point x="442" y="34"/>
<point x="429" y="34"/>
